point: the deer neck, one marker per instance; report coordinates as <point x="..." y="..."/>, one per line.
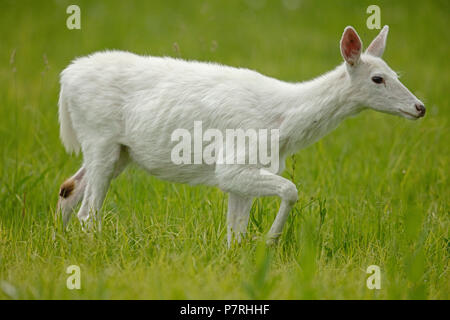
<point x="315" y="108"/>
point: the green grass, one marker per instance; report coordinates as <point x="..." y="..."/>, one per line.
<point x="375" y="191"/>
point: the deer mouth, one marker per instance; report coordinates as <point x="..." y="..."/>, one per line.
<point x="410" y="114"/>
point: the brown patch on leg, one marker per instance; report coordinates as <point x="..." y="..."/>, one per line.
<point x="67" y="188"/>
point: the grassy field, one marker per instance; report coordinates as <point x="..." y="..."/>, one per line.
<point x="374" y="192"/>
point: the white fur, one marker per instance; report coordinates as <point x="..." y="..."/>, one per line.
<point x="118" y="106"/>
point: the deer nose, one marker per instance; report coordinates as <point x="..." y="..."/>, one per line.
<point x="421" y="109"/>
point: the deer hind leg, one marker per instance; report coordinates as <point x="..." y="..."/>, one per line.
<point x="237" y="216"/>
<point x="70" y="194"/>
<point x="103" y="163"/>
<point x="73" y="190"/>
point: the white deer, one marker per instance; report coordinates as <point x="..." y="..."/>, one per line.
<point x="119" y="107"/>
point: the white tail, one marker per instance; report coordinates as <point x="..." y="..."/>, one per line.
<point x="67" y="134"/>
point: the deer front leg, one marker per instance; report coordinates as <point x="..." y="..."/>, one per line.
<point x="252" y="182"/>
<point x="277" y="226"/>
<point x="237" y="216"/>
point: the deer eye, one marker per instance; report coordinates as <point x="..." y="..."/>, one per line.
<point x="377" y="79"/>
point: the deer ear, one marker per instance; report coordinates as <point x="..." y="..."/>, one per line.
<point x="351" y="46"/>
<point x="376" y="48"/>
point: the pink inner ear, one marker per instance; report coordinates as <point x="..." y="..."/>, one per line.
<point x="351" y="44"/>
